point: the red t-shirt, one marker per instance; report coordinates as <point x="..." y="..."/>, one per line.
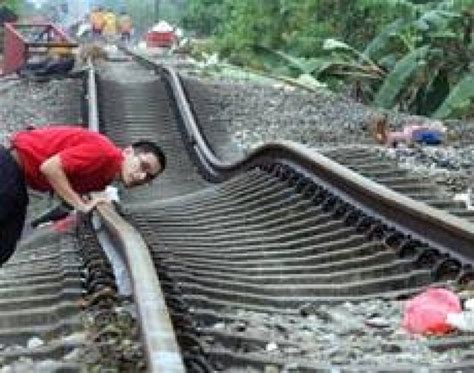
<point x="90" y="160"/>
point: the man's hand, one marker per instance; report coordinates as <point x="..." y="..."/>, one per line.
<point x="90" y="205"/>
<point x="52" y="169"/>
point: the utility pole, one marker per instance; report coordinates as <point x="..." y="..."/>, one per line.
<point x="157" y="11"/>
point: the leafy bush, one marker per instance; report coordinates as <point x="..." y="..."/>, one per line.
<point x="408" y="55"/>
<point x="422" y="65"/>
<point x="204" y="16"/>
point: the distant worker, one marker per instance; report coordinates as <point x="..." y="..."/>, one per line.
<point x="71" y="161"/>
<point x="110" y="25"/>
<point x="96" y="19"/>
<point x="430" y="134"/>
<point x="125" y="26"/>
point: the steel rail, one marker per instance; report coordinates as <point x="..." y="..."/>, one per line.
<point x="161" y="348"/>
<point x="163" y="353"/>
<point x="439" y="229"/>
<point x="442" y="230"/>
<point x="93" y="114"/>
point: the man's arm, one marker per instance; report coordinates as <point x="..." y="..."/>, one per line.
<point x="53" y="170"/>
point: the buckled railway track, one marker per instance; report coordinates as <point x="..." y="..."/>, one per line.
<point x="368" y="160"/>
<point x="258" y="268"/>
<point x="282" y="261"/>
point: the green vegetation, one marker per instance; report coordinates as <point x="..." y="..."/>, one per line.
<point x="22" y="8"/>
<point x="11" y="4"/>
<point x="415" y="56"/>
<point x="146" y="13"/>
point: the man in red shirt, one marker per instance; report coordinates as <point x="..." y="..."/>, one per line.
<point x="70" y="161"/>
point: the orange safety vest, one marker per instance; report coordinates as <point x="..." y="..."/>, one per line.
<point x="110" y="23"/>
<point x="97" y="20"/>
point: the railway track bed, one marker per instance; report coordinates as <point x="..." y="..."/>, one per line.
<point x="271" y="270"/>
<point x="283" y="261"/>
<point x="281" y="284"/>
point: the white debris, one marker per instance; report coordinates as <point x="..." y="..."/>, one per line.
<point x="467" y="198"/>
<point x="378" y="322"/>
<point x="463" y="321"/>
<point x="469" y="304"/>
<point x="35" y="342"/>
<point x="112" y="193"/>
<point x="162" y="26"/>
<point x="219" y="326"/>
<point x="272" y="346"/>
<point x="141" y="45"/>
<point x="179" y="33"/>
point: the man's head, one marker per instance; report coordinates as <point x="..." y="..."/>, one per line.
<point x="143" y="161"/>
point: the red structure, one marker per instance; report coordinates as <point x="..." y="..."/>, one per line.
<point x="23" y="40"/>
<point x="160" y="39"/>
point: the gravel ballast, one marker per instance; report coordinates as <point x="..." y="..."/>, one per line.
<point x="257" y="113"/>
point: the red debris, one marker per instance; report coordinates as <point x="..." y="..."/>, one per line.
<point x="427" y="312"/>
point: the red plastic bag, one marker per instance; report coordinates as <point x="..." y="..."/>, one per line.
<point x="426" y="313"/>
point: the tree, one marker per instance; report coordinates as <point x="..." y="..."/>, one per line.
<point x="204" y="16"/>
<point x="11" y="4"/>
<point x="410" y="55"/>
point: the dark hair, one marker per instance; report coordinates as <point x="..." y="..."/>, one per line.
<point x="150" y="147"/>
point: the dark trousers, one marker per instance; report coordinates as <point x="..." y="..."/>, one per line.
<point x="13" y="203"/>
<point x="125" y="36"/>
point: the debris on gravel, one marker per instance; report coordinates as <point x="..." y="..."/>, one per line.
<point x="257" y="113"/>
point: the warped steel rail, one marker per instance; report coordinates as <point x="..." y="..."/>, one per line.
<point x="283" y="227"/>
<point x="440" y="229"/>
